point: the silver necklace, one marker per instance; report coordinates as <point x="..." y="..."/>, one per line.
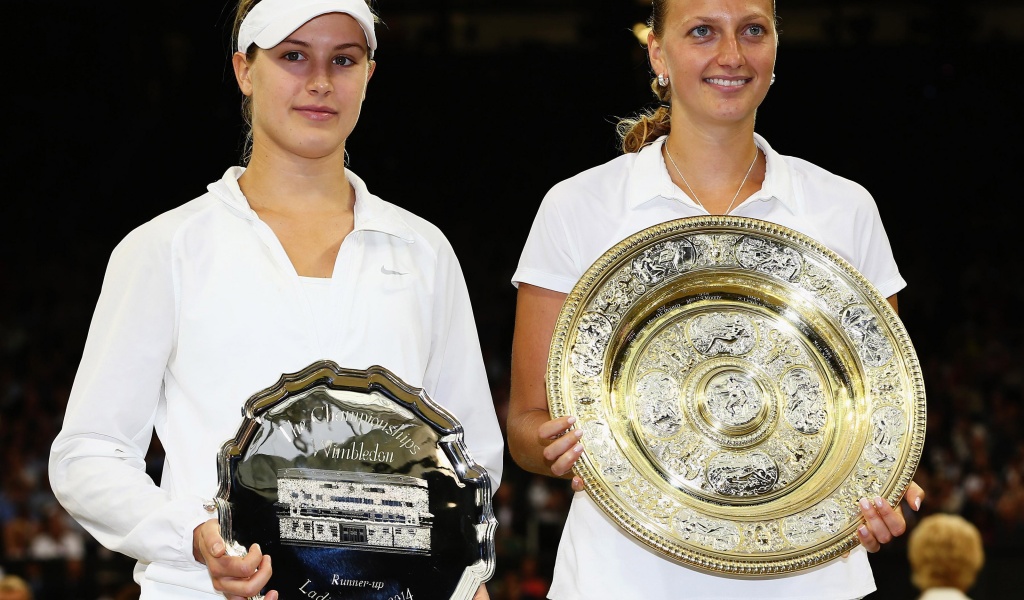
<point x="738" y="190"/>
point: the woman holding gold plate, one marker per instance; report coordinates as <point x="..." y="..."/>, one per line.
<point x="697" y="155"/>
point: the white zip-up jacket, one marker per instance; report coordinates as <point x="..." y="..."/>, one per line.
<point x="201" y="308"/>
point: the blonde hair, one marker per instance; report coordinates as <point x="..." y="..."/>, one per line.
<point x="646" y="126"/>
<point x="13" y="583"/>
<point x="945" y="551"/>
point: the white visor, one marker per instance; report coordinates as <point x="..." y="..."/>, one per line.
<point x="271" y="21"/>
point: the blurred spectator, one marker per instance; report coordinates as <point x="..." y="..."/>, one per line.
<point x="127" y="591"/>
<point x="548" y="500"/>
<point x="945" y="553"/>
<point x="13" y="587"/>
<point x="58" y="540"/>
<point x="58" y="549"/>
<point x="532" y="585"/>
<point x="19" y="524"/>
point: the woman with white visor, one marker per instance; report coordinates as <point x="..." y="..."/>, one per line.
<point x="280" y="263"/>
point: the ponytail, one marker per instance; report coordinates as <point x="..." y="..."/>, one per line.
<point x="638" y="131"/>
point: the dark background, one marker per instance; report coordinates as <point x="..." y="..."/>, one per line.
<point x="117" y="111"/>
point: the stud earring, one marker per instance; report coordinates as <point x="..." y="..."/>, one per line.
<point x="663" y="80"/>
<point x="773" y="79"/>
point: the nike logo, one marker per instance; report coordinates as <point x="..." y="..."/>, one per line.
<point x="388" y="271"/>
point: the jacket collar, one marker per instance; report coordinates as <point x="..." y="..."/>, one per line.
<point x="370" y="212"/>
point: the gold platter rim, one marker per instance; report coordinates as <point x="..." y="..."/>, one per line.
<point x="613" y="258"/>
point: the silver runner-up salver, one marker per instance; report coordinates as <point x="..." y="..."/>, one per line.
<point x="359" y="487"/>
<point x="740" y="387"/>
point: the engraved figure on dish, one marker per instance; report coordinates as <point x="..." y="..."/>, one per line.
<point x="805" y="407"/>
<point x="668" y="351"/>
<point x="602" y="449"/>
<point x="741" y="475"/>
<point x="782" y="346"/>
<point x="763" y="537"/>
<point x="680" y="254"/>
<point x="872" y="345"/>
<point x="888" y="426"/>
<point x="722" y="333"/>
<point x="658" y="397"/>
<point x="616" y="296"/>
<point x="733" y="398"/>
<point x="682" y="457"/>
<point x="814" y="524"/>
<point x="657" y="263"/>
<point x="712" y="533"/>
<point x="769" y="258"/>
<point x="648" y="268"/>
<point x="591" y="338"/>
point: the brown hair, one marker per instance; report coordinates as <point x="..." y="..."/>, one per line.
<point x="648" y="125"/>
<point x="241" y="10"/>
<point x="945" y="551"/>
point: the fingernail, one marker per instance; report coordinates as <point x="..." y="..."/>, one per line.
<point x="572" y="420"/>
<point x="579" y="433"/>
<point x="217" y="548"/>
<point x="864" y="504"/>
<point x="578" y="448"/>
<point x="878" y="501"/>
<point x="862" y="531"/>
<point x="917" y="504"/>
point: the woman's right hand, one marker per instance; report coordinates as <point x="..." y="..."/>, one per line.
<point x="237" y="577"/>
<point x="563" y="447"/>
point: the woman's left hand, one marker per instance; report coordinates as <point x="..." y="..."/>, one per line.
<point x="882" y="522"/>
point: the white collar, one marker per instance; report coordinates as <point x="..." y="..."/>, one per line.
<point x="649" y="178"/>
<point x="370" y="213"/>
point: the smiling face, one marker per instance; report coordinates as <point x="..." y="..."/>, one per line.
<point x="719" y="56"/>
<point x="308" y="90"/>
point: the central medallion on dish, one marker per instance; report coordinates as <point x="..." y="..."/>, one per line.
<point x="725" y="403"/>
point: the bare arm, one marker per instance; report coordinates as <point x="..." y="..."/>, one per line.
<point x="536" y="442"/>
